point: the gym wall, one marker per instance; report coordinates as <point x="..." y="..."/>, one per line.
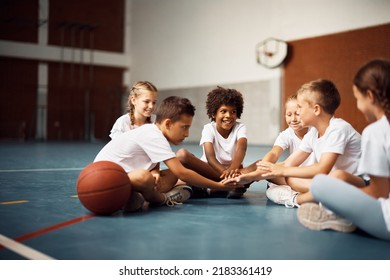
<point x="56" y="87"/>
<point x="336" y="57"/>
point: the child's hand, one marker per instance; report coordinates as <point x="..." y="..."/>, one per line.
<point x="230" y="173"/>
<point x="242" y="179"/>
<point x="270" y="170"/>
<point x="230" y="184"/>
<point x="230" y="180"/>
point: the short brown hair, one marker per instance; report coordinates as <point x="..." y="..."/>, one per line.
<point x="173" y="108"/>
<point x="325" y="94"/>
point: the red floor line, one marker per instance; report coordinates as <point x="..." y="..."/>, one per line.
<point x="52" y="228"/>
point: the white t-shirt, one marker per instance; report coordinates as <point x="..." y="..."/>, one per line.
<point x="375" y="158"/>
<point x="123" y="124"/>
<point x="140" y="148"/>
<point x="224" y="148"/>
<point x="339" y="138"/>
<point x="287" y="139"/>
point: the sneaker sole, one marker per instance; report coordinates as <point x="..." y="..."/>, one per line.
<point x="333" y="225"/>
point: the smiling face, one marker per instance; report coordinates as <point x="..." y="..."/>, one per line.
<point x="292" y="117"/>
<point x="144" y="103"/>
<point x="225" y="119"/>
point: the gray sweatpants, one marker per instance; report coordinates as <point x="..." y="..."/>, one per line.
<point x="351" y="203"/>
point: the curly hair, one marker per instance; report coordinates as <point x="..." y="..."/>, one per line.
<point x="224" y="96"/>
<point x="375" y="76"/>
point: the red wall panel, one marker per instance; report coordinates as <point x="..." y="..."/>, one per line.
<point x="336" y="57"/>
<point x="19" y="20"/>
<point x="18" y="92"/>
<point x="93" y="24"/>
<point x="83" y="103"/>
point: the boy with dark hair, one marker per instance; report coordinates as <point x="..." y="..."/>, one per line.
<point x="140" y="150"/>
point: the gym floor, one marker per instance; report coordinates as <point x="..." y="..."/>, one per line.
<point x="39" y="210"/>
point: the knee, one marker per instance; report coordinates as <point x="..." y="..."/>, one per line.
<point x="141" y="178"/>
<point x="317" y="185"/>
<point x="339" y="174"/>
<point x="183" y="155"/>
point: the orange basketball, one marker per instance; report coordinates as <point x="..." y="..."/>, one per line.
<point x="103" y="187"/>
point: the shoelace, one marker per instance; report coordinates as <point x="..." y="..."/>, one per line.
<point x="291" y="204"/>
<point x="173" y="200"/>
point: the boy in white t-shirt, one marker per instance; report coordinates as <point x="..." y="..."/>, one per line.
<point x="290" y="139"/>
<point x="140" y="150"/>
<point x="366" y="207"/>
<point x="334" y="143"/>
<point x="223" y="140"/>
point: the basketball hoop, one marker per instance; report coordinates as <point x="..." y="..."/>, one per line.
<point x="271" y="52"/>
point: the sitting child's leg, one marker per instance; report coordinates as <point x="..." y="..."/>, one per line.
<point x="190" y="161"/>
<point x="167" y="181"/>
<point x="291" y="195"/>
<point x="142" y="181"/>
<point x="175" y="190"/>
<point x="348" y="178"/>
<point x="300" y="185"/>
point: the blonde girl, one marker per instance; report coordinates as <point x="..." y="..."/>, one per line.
<point x="141" y="105"/>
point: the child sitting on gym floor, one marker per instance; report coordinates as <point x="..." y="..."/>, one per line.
<point x="334" y="142"/>
<point x="140" y="150"/>
<point x="289" y="139"/>
<point x="366" y="207"/>
<point x="141" y="105"/>
<point x="223" y="140"/>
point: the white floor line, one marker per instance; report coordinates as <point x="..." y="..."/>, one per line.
<point x="40" y="170"/>
<point x="22" y="249"/>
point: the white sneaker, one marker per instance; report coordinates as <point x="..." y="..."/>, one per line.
<point x="316" y="217"/>
<point x="282" y="194"/>
<point x="178" y="195"/>
<point x="135" y="202"/>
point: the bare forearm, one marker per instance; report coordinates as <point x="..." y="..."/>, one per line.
<point x="379" y="187"/>
<point x="194" y="179"/>
<point x="238" y="159"/>
<point x="302" y="172"/>
<point x="270" y="157"/>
